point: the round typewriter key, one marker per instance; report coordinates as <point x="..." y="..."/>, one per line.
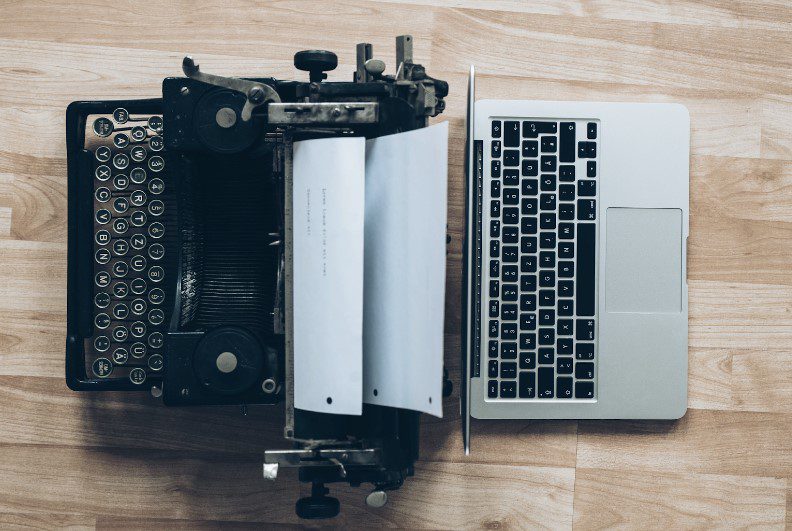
<point x="156" y="207"/>
<point x="138" y="133"/>
<point x="156" y="251"/>
<point x="137" y="376"/>
<point x="102" y="321"/>
<point x="155" y="340"/>
<point x="121" y="140"/>
<point x="156" y="230"/>
<point x="138" y="241"/>
<point x="138" y="218"/>
<point x="103" y="127"/>
<point x="120" y="290"/>
<point x="156" y="296"/>
<point x="156" y="143"/>
<point x="156" y="163"/>
<point x="120" y="115"/>
<point x="102" y="172"/>
<point x="102" y="256"/>
<point x="102" y="279"/>
<point x="156" y="186"/>
<point x="102" y="237"/>
<point x="102" y="153"/>
<point x="102" y="300"/>
<point x="138" y="175"/>
<point x="156" y="316"/>
<point x="120" y="247"/>
<point x="121" y="161"/>
<point x="156" y="274"/>
<point x="137" y="286"/>
<point x="138" y="306"/>
<point x="138" y="350"/>
<point x="102" y="367"/>
<point x="120" y="333"/>
<point x="120" y="311"/>
<point x="138" y="262"/>
<point x="155" y="362"/>
<point x="120" y="356"/>
<point x="120" y="225"/>
<point x="101" y="343"/>
<point x="120" y="181"/>
<point x="120" y="269"/>
<point x="137" y="198"/>
<point x="102" y="216"/>
<point x="138" y="329"/>
<point x="120" y="204"/>
<point x="155" y="123"/>
<point x="102" y="194"/>
<point x="138" y="153"/>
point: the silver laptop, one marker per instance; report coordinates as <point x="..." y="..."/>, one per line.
<point x="575" y="260"/>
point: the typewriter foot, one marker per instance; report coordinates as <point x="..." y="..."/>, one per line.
<point x="318" y="505"/>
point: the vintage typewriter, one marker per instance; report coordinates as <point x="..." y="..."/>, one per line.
<point x="179" y="254"/>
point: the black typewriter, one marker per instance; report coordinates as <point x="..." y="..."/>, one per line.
<point x="179" y="253"/>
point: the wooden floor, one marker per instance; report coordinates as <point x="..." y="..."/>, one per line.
<point x="70" y="459"/>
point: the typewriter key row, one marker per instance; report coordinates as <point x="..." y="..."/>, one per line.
<point x="129" y="228"/>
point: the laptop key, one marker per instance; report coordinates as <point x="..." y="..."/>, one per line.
<point x="545" y="382"/>
<point x="534" y="129"/>
<point x="584" y="351"/>
<point x="496" y="128"/>
<point x="492" y="369"/>
<point x="584" y="370"/>
<point x="492" y="389"/>
<point x="564" y="387"/>
<point x="587" y="188"/>
<point x="508" y="350"/>
<point x="508" y="312"/>
<point x="511" y="177"/>
<point x="527" y="383"/>
<point x="493" y="308"/>
<point x="584" y="389"/>
<point x="511" y="134"/>
<point x="566" y="151"/>
<point x="584" y="329"/>
<point x="527" y="321"/>
<point x="510" y="273"/>
<point x="586" y="252"/>
<point x="495" y="151"/>
<point x="564" y="346"/>
<point x="508" y="369"/>
<point x="527" y="361"/>
<point x="530" y="148"/>
<point x="563" y="366"/>
<point x="587" y="209"/>
<point x="493" y="348"/>
<point x="546" y="356"/>
<point x="508" y="389"/>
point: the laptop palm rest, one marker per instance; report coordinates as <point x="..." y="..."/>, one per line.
<point x="643" y="265"/>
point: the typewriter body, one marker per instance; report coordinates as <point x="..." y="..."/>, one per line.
<point x="180" y="250"/>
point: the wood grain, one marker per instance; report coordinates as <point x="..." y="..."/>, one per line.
<point x="121" y="461"/>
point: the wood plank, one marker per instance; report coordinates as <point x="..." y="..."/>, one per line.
<point x="36" y="520"/>
<point x="630" y="499"/>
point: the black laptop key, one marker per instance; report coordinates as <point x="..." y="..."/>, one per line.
<point x="508" y="350"/>
<point x="586" y="252"/>
<point x="546" y="336"/>
<point x="549" y="144"/>
<point x="530" y="168"/>
<point x="494" y="309"/>
<point x="530" y="186"/>
<point x="528" y="360"/>
<point x="493" y="348"/>
<point x="546" y="317"/>
<point x="563" y="366"/>
<point x="492" y="369"/>
<point x="584" y="329"/>
<point x="527" y="381"/>
<point x="527" y="341"/>
<point x="509" y="292"/>
<point x="566" y="231"/>
<point x="495" y="151"/>
<point x="548" y="182"/>
<point x="528" y="225"/>
<point x="508" y="389"/>
<point x="566" y="250"/>
<point x="591" y="130"/>
<point x="566" y="151"/>
<point x="587" y="150"/>
<point x="564" y="387"/>
<point x="546" y="356"/>
<point x="547" y="240"/>
<point x="528" y="264"/>
<point x="530" y="148"/>
<point x="508" y="331"/>
<point x="566" y="173"/>
<point x="564" y="346"/>
<point x="511" y="134"/>
<point x="587" y="188"/>
<point x="566" y="269"/>
<point x="511" y="157"/>
<point x="566" y="192"/>
<point x="527" y="321"/>
<point x="529" y="206"/>
<point x="527" y="302"/>
<point x="495" y="188"/>
<point x="534" y="129"/>
<point x="584" y="389"/>
<point x="584" y="351"/>
<point x="547" y="259"/>
<point x="584" y="370"/>
<point x="494" y="248"/>
<point x="527" y="283"/>
<point x="528" y="244"/>
<point x="494" y="228"/>
<point x="564" y="327"/>
<point x="566" y="211"/>
<point x="547" y="220"/>
<point x="546" y="297"/>
<point x="494" y="288"/>
<point x="547" y="202"/>
<point x="511" y="196"/>
<point x="547" y="278"/>
<point x="566" y="288"/>
<point x="508" y="312"/>
<point x="495" y="208"/>
<point x="495" y="168"/>
<point x="511" y="177"/>
<point x="565" y="307"/>
<point x="492" y="389"/>
<point x="496" y="128"/>
<point x="511" y="215"/>
<point x="587" y="209"/>
<point x="508" y="369"/>
<point x="510" y="234"/>
<point x="591" y="168"/>
<point x="548" y="163"/>
<point x="509" y="273"/>
<point x="546" y="378"/>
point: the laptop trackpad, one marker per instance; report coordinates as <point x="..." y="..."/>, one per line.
<point x="643" y="265"/>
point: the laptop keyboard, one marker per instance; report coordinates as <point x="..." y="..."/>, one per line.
<point x="539" y="262"/>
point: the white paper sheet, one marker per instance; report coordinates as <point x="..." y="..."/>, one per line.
<point x="328" y="214"/>
<point x="404" y="278"/>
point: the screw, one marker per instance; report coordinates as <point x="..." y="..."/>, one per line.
<point x="256" y="94"/>
<point x="336" y="112"/>
<point x="185" y="91"/>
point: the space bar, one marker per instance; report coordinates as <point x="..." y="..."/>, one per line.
<point x="585" y="266"/>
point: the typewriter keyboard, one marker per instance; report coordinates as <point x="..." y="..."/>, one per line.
<point x="539" y="259"/>
<point x="129" y="228"/>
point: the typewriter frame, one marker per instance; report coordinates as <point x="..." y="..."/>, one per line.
<point x="381" y="445"/>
